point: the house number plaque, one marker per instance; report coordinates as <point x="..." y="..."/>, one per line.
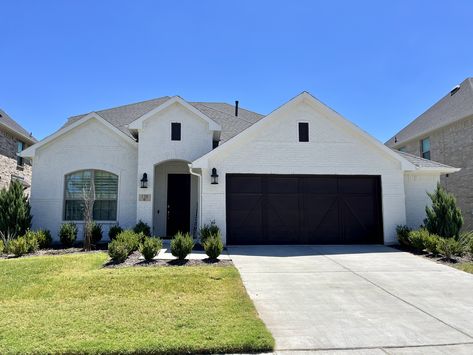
<point x="145" y="197"/>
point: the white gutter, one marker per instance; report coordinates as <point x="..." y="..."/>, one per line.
<point x="199" y="207"/>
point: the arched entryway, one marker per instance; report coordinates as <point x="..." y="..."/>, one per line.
<point x="175" y="199"/>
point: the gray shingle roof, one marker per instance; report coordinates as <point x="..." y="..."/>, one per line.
<point x="421" y="162"/>
<point x="449" y="109"/>
<point x="221" y="113"/>
<point x="7" y="121"/>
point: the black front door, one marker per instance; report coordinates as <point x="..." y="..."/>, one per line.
<point x="178" y="209"/>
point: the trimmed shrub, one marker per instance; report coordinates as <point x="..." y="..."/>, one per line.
<point x="130" y="239"/>
<point x="142" y="227"/>
<point x="2" y="247"/>
<point x="118" y="251"/>
<point x="15" y="216"/>
<point x="181" y="245"/>
<point x="431" y="242"/>
<point x="32" y="243"/>
<point x="96" y="232"/>
<point x="150" y="247"/>
<point x="213" y="246"/>
<point x="18" y="246"/>
<point x="444" y="218"/>
<point x="208" y="230"/>
<point x="417" y="239"/>
<point x="43" y="236"/>
<point x="114" y="231"/>
<point x="449" y="247"/>
<point x="402" y="232"/>
<point x="68" y="234"/>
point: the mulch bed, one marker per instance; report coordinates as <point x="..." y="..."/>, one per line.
<point x="437" y="258"/>
<point x="135" y="261"/>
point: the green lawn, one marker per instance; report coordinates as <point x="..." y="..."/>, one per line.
<point x="70" y="304"/>
<point x="468" y="267"/>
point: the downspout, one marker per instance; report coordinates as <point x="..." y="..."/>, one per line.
<point x="199" y="206"/>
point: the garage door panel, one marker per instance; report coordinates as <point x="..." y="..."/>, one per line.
<point x="303" y="209"/>
<point x="283" y="218"/>
<point x="318" y="185"/>
<point x="356" y="185"/>
<point x="244" y="184"/>
<point x="322" y="226"/>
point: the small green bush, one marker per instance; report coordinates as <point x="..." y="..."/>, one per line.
<point x="402" y="232"/>
<point x="181" y="245"/>
<point x="114" y="231"/>
<point x="2" y="247"/>
<point x="15" y="216"/>
<point x="118" y="251"/>
<point x="96" y="233"/>
<point x="43" y="236"/>
<point x="32" y="243"/>
<point x="68" y="234"/>
<point x="207" y="230"/>
<point x="417" y="239"/>
<point x="431" y="242"/>
<point x="130" y="239"/>
<point x="142" y="227"/>
<point x="444" y="218"/>
<point x="449" y="247"/>
<point x="150" y="247"/>
<point x="18" y="246"/>
<point x="213" y="246"/>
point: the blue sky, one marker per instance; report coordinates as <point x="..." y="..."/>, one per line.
<point x="378" y="63"/>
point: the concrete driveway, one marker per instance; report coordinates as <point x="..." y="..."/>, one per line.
<point x="372" y="299"/>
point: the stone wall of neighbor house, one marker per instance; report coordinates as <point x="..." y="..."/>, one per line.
<point x="453" y="145"/>
<point x="8" y="164"/>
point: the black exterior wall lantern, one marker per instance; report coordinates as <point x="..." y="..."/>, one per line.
<point x="144" y="181"/>
<point x="214" y="177"/>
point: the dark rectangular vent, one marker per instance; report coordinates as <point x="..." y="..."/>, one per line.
<point x="175" y="131"/>
<point x="303" y="131"/>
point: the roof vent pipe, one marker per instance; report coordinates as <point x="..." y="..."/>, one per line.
<point x="454" y="90"/>
<point x="236" y="108"/>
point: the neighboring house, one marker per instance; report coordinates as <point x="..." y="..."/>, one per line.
<point x="444" y="133"/>
<point x="13" y="139"/>
<point x="301" y="175"/>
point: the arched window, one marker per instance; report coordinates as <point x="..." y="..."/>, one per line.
<point x="101" y="184"/>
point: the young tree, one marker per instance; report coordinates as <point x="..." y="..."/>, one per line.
<point x="444" y="218"/>
<point x="88" y="199"/>
<point x="15" y="211"/>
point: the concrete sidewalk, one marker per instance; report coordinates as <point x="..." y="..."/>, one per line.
<point x="358" y="299"/>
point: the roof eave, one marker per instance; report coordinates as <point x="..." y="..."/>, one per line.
<point x="27" y="139"/>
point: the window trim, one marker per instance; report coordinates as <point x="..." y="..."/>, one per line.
<point x="303" y="124"/>
<point x="81" y="221"/>
<point x="179" y="125"/>
<point x="20" y="161"/>
<point x="422" y="152"/>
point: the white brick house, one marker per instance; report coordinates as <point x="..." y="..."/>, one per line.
<point x="302" y="174"/>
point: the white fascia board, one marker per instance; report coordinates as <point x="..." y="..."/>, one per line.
<point x="30" y="151"/>
<point x="138" y="123"/>
<point x="202" y="162"/>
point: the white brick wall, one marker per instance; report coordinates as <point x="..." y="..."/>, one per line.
<point x="89" y="146"/>
<point x="416" y="186"/>
<point x="333" y="149"/>
<point x="155" y="146"/>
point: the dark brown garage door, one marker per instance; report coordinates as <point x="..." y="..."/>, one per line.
<point x="303" y="209"/>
